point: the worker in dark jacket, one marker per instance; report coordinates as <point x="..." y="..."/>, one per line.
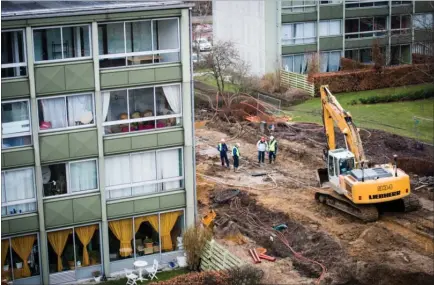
<point x="223" y="149"/>
<point x="236" y="156"/>
<point x="272" y="149"/>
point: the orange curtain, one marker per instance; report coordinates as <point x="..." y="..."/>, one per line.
<point x="5" y="247"/>
<point x="23" y="247"/>
<point x="123" y="230"/>
<point x="153" y="220"/>
<point x="168" y="221"/>
<point x="85" y="234"/>
<point x="137" y="222"/>
<point x="58" y="241"/>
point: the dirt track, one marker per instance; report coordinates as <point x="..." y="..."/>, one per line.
<point x="397" y="249"/>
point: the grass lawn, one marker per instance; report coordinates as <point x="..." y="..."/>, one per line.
<point x="395" y="117"/>
<point x="165" y="275"/>
<point x="209" y="79"/>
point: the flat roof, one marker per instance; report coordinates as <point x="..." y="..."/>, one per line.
<point x="38" y="9"/>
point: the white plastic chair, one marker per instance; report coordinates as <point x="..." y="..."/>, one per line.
<point x="152" y="270"/>
<point x="132" y="278"/>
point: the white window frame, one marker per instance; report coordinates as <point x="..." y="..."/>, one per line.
<point x="130" y="54"/>
<point x="19" y="202"/>
<point x="328" y="23"/>
<point x="306" y="55"/>
<point x="19" y="134"/>
<point x="329" y="52"/>
<point x="68" y="179"/>
<point x="413" y="18"/>
<point x="21" y="64"/>
<point x="303" y="38"/>
<point x="61" y="41"/>
<point x="145" y="119"/>
<point x="330" y="2"/>
<point x="304" y="6"/>
<point x="364" y="2"/>
<point x="373" y="32"/>
<point x="408" y="3"/>
<point x="143" y="183"/>
<point x="359" y="54"/>
<point x="66" y="118"/>
<point x="400" y="30"/>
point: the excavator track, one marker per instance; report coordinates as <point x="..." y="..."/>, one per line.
<point x="411" y="203"/>
<point x="367" y="213"/>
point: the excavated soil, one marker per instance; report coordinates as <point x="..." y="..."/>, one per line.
<point x="397" y="249"/>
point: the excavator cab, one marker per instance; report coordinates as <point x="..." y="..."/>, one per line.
<point x="339" y="162"/>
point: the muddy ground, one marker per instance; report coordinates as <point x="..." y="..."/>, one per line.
<point x="397" y="249"/>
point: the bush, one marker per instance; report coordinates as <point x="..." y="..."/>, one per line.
<point x="244" y="275"/>
<point x="270" y="82"/>
<point x="349" y="64"/>
<point x="194" y="240"/>
<point x="410" y="96"/>
<point x="197" y="278"/>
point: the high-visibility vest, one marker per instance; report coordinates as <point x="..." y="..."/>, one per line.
<point x="220" y="147"/>
<point x="237" y="152"/>
<point x="272" y="146"/>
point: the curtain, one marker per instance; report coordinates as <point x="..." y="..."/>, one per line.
<point x="324" y="28"/>
<point x="299" y="33"/>
<point x="19" y="185"/>
<point x="169" y="167"/>
<point x="153" y="220"/>
<point x="55" y="112"/>
<point x="58" y="241"/>
<point x="115" y="38"/>
<point x="172" y="94"/>
<point x="138" y="35"/>
<point x="287" y="62"/>
<point x="309" y="33"/>
<point x="298" y="63"/>
<point x="117" y="172"/>
<point x="168" y="221"/>
<point x="83" y="176"/>
<point x="143" y="169"/>
<point x="105" y="104"/>
<point x="334" y="60"/>
<point x="287" y="34"/>
<point x="78" y="107"/>
<point x="335" y="28"/>
<point x="123" y="231"/>
<point x="23" y="248"/>
<point x="324" y="60"/>
<point x="5" y="248"/>
<point x="85" y="235"/>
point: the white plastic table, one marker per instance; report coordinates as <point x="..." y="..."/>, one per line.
<point x="140" y="264"/>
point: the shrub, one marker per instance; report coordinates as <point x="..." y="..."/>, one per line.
<point x="270" y="82"/>
<point x="408" y="96"/>
<point x="349" y="64"/>
<point x="244" y="275"/>
<point x="197" y="278"/>
<point x="194" y="240"/>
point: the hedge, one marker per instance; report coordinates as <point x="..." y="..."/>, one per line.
<point x="421" y="58"/>
<point x="369" y="79"/>
<point x="197" y="278"/>
<point x="407" y="96"/>
<point x="349" y="64"/>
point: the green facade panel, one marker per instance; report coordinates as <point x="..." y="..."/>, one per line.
<point x="117" y="145"/>
<point x="362" y="43"/>
<point x="143" y="142"/>
<point x="66" y="146"/>
<point x="15" y="88"/>
<point x="172" y="201"/>
<point x="18" y="157"/>
<point x="405" y="9"/>
<point x="171" y="138"/>
<point x="422" y="35"/>
<point x="147" y="205"/>
<point x="61" y="78"/>
<point x="298" y="49"/>
<point x="24" y="224"/>
<point x="331" y="43"/>
<point x="402" y="39"/>
<point x="424" y="6"/>
<point x="298" y="17"/>
<point x="5" y="227"/>
<point x="140" y="76"/>
<point x="328" y="12"/>
<point x="120" y="209"/>
<point x="87" y="209"/>
<point x="365" y="12"/>
<point x="58" y="213"/>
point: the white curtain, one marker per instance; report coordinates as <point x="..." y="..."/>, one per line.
<point x="299" y="34"/>
<point x="172" y="94"/>
<point x="117" y="172"/>
<point x="115" y="38"/>
<point x="144" y="169"/>
<point x="335" y="28"/>
<point x="105" y="104"/>
<point x="77" y="107"/>
<point x="298" y="63"/>
<point x="324" y="61"/>
<point x="55" y="112"/>
<point x="323" y="28"/>
<point x="169" y="167"/>
<point x="83" y="176"/>
<point x="287" y="62"/>
<point x="140" y="32"/>
<point x="19" y="185"/>
<point x="309" y="33"/>
<point x="287" y="34"/>
<point x="334" y="60"/>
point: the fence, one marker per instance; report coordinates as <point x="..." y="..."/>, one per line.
<point x="216" y="257"/>
<point x="296" y="80"/>
<point x="272" y="105"/>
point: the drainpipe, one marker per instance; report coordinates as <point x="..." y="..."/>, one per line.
<point x="389" y="33"/>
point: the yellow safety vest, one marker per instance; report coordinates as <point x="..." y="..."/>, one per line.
<point x="272" y="146"/>
<point x="237" y="152"/>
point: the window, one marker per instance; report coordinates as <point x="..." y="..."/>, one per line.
<point x="13" y="54"/>
<point x="331" y="167"/>
<point x="294" y="6"/>
<point x="141" y="109"/>
<point x="396" y="3"/>
<point x="365" y="27"/>
<point x="74" y="249"/>
<point x="330" y="61"/>
<point x="400" y="24"/>
<point x="297" y="63"/>
<point x="364" y="3"/>
<point x="59" y="43"/>
<point x="330" y="28"/>
<point x="20" y="258"/>
<point x="144" y="173"/>
<point x="139" y="42"/>
<point x="423" y="21"/>
<point x="325" y="2"/>
<point x="362" y="55"/>
<point x="16" y="125"/>
<point x="71" y="177"/>
<point x="18" y="191"/>
<point x="71" y="111"/>
<point x="299" y="33"/>
<point x="145" y="235"/>
<point x="400" y="54"/>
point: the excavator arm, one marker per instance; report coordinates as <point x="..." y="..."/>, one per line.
<point x="333" y="113"/>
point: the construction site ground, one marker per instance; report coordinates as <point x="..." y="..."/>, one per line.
<point x="397" y="249"/>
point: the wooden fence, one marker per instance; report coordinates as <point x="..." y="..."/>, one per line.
<point x="296" y="80"/>
<point x="216" y="257"/>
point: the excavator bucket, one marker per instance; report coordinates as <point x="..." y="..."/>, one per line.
<point x="322" y="176"/>
<point x="209" y="218"/>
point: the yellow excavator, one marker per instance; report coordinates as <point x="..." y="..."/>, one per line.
<point x="346" y="183"/>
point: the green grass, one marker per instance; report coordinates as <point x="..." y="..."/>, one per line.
<point x="209" y="79"/>
<point x="165" y="275"/>
<point x="395" y="117"/>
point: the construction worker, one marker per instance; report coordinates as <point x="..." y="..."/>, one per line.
<point x="272" y="149"/>
<point x="262" y="146"/>
<point x="223" y="149"/>
<point x="236" y="156"/>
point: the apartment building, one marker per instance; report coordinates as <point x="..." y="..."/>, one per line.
<point x="275" y="34"/>
<point x="97" y="137"/>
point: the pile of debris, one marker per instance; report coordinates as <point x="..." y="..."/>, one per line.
<point x="424" y="184"/>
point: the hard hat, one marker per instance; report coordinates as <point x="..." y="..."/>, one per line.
<point x="222" y="140"/>
<point x="271" y="138"/>
<point x="237" y="144"/>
